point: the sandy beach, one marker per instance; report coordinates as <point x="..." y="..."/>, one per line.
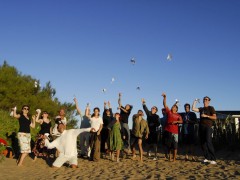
<point x="228" y="167"/>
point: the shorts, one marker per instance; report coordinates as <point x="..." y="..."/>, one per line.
<point x="24" y="140"/>
<point x="134" y="139"/>
<point x="171" y="140"/>
<point x="63" y="159"/>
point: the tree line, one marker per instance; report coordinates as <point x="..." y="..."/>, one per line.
<point x="17" y="89"/>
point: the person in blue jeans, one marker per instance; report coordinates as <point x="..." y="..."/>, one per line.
<point x="207" y="117"/>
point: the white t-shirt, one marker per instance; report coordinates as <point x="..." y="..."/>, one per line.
<point x="96" y="122"/>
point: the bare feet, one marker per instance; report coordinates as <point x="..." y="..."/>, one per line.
<point x="134" y="156"/>
<point x="74" y="166"/>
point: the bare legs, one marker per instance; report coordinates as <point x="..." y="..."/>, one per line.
<point x="112" y="155"/>
<point x="21" y="158"/>
<point x="140" y="149"/>
<point x="172" y="154"/>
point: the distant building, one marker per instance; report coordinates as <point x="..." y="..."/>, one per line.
<point x="232" y="116"/>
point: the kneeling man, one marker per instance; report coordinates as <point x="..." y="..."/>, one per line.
<point x="66" y="144"/>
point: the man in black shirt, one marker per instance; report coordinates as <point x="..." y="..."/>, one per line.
<point x="124" y="114"/>
<point x="107" y="118"/>
<point x="189" y="120"/>
<point x="153" y="123"/>
<point x="207" y="117"/>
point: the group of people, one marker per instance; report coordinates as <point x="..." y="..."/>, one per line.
<point x="111" y="135"/>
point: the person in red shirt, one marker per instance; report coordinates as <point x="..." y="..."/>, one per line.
<point x="171" y="128"/>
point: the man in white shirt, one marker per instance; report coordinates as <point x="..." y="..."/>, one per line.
<point x="66" y="145"/>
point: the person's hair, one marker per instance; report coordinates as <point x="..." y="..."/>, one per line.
<point x="130" y="106"/>
<point x="156" y="108"/>
<point x="44" y="112"/>
<point x="25" y="106"/>
<point x="176" y="106"/>
<point x="207" y="98"/>
<point x="96" y="108"/>
<point x="185" y="105"/>
<point x="60" y="124"/>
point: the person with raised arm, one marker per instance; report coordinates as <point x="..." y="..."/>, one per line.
<point x="153" y="123"/>
<point x="124" y="113"/>
<point x="46" y="128"/>
<point x="84" y="136"/>
<point x="107" y="118"/>
<point x="24" y="136"/>
<point x="95" y="138"/>
<point x="207" y="117"/>
<point x="171" y="128"/>
<point x="189" y="120"/>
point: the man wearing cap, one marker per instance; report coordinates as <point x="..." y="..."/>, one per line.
<point x="207" y="117"/>
<point x="66" y="145"/>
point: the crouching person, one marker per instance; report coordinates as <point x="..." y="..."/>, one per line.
<point x="66" y="145"/>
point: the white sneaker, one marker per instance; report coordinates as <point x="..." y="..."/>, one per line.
<point x="213" y="162"/>
<point x="155" y="159"/>
<point x="205" y="160"/>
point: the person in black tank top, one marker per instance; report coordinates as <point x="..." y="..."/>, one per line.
<point x="39" y="149"/>
<point x="24" y="136"/>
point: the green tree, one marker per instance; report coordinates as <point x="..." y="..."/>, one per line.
<point x="17" y="90"/>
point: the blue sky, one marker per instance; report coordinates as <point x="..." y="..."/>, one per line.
<point x="79" y="46"/>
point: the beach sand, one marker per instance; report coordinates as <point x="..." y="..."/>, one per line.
<point x="228" y="167"/>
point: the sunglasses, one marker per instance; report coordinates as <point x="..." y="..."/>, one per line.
<point x="26" y="109"/>
<point x="206" y="99"/>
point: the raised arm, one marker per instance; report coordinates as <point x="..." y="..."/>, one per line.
<point x="145" y="107"/>
<point x="87" y="111"/>
<point x="34" y="119"/>
<point x="77" y="107"/>
<point x="110" y="108"/>
<point x="119" y="100"/>
<point x="105" y="105"/>
<point x="17" y="116"/>
<point x="164" y="100"/>
<point x="194" y="106"/>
